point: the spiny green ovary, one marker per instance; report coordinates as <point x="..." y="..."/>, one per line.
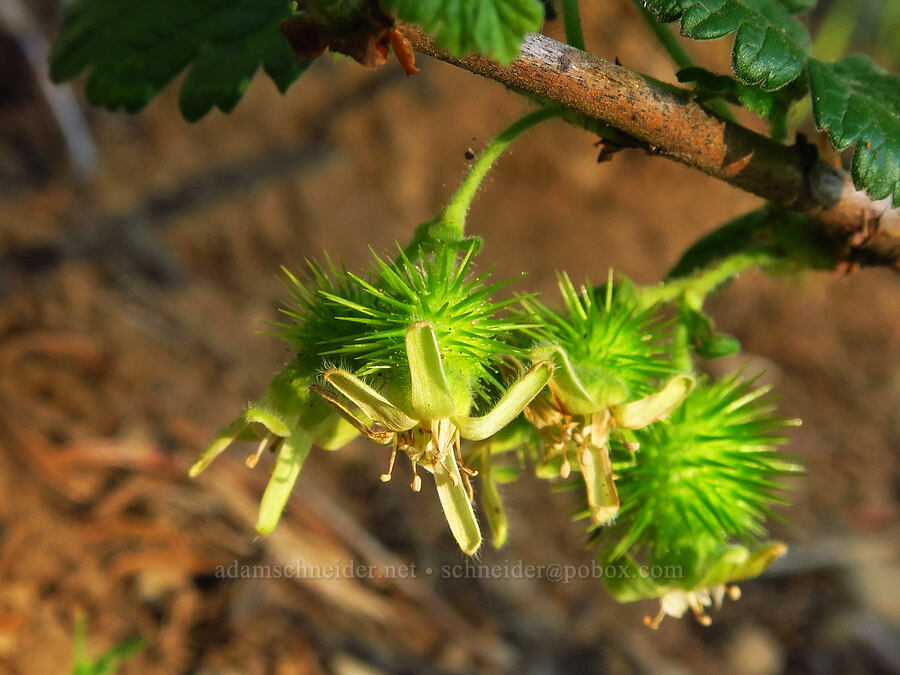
<point x="604" y="339"/>
<point x="312" y="323"/>
<point x="709" y="471"/>
<point x="440" y="291"/>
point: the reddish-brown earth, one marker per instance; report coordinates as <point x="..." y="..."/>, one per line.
<point x="134" y="333"/>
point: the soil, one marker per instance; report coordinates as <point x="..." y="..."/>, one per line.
<point x="132" y="311"/>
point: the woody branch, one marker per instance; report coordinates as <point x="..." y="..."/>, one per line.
<point x="667" y="122"/>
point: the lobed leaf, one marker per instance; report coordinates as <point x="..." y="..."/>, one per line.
<point x="133" y="50"/>
<point x="855" y="101"/>
<point x="495" y="27"/>
<point x="770" y="104"/>
<point x="770" y="46"/>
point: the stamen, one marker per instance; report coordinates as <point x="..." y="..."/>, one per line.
<point x="385" y="477"/>
<point x="631" y="446"/>
<point x="470" y="493"/>
<point x="462" y="465"/>
<point x="656" y="620"/>
<point x="253" y="459"/>
<point x="565" y="468"/>
<point x="702" y="618"/>
<point x="416" y="484"/>
<point x="734" y="592"/>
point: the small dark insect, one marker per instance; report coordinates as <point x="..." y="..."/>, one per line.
<point x="470" y="154"/>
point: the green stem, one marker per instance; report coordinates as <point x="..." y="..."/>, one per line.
<point x="697" y="286"/>
<point x="572" y="22"/>
<point x="681" y="349"/>
<point x="449" y="226"/>
<point x="679" y="55"/>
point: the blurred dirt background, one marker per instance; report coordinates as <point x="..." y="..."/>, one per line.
<point x="130" y="308"/>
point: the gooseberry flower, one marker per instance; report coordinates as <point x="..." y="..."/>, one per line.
<point x="432" y="342"/>
<point x="606" y="359"/>
<point x="287" y="419"/>
<point x="691" y="582"/>
<point x="696" y="497"/>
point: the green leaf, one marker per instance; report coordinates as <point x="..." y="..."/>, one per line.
<point x="795" y="6"/>
<point x="134" y="49"/>
<point x="855" y="101"/>
<point x="770" y="237"/>
<point x="705" y="340"/>
<point x="753" y="97"/>
<point x="107" y="663"/>
<point x="770" y="47"/>
<point x="495" y="27"/>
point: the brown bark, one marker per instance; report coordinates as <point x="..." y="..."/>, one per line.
<point x="667" y="122"/>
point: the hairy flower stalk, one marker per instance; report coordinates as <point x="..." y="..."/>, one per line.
<point x="607" y="359"/>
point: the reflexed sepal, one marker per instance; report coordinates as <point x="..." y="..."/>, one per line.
<point x="492" y="504"/>
<point x="722" y="566"/>
<point x="274" y="414"/>
<point x="275" y="423"/>
<point x="565" y="384"/>
<point x="291" y="455"/>
<point x="373" y="404"/>
<point x="739" y="563"/>
<point x="639" y="414"/>
<point x="431" y="397"/>
<point x="223" y="439"/>
<point x="510" y="405"/>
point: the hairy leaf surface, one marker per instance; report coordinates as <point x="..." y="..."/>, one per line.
<point x="770" y="46"/>
<point x="134" y="49"/>
<point x="494" y="27"/>
<point x="855" y="101"/>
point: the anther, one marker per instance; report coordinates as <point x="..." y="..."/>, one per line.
<point x="462" y="464"/>
<point x="565" y="468"/>
<point x="627" y="444"/>
<point x="253" y="459"/>
<point x="416" y="484"/>
<point x="470" y="493"/>
<point x="702" y="617"/>
<point x="656" y="620"/>
<point x="385" y="477"/>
